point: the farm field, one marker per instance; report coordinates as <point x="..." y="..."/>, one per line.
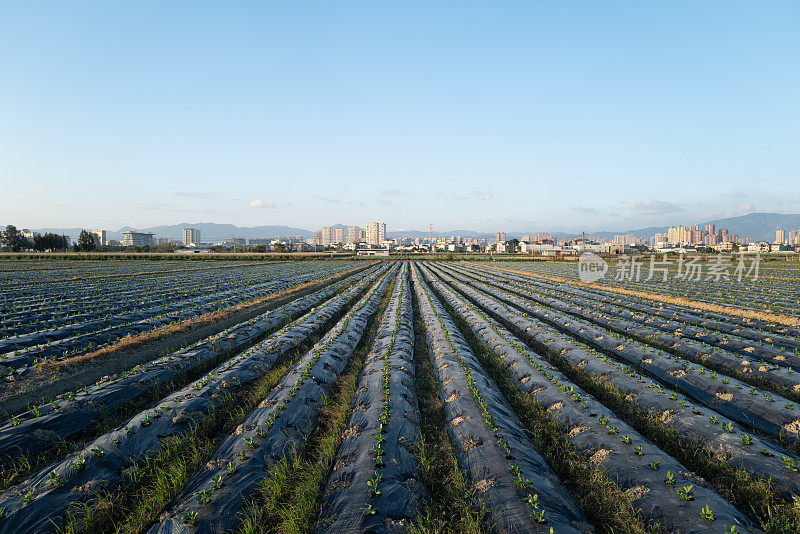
<point x="394" y="396"/>
<point x="775" y="289"/>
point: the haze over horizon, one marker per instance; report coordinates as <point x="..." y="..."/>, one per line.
<point x="585" y="116"/>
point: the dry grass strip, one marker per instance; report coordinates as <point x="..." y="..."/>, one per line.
<point x="130" y="342"/>
<point x="680" y="301"/>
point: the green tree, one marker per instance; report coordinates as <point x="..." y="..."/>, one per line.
<point x="512" y="245"/>
<point x="50" y="241"/>
<point x="86" y="241"/>
<point x="13" y="239"/>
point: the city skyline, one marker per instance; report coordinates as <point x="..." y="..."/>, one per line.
<point x="609" y="116"/>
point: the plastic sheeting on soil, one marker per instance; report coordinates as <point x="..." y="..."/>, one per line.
<point x="385" y="414"/>
<point x="32" y="505"/>
<point x="490" y="445"/>
<point x="633" y="462"/>
<point x="280" y="424"/>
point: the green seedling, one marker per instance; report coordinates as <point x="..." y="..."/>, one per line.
<point x="53" y="479"/>
<point x="686" y="493"/>
<point x="670" y="478"/>
<point x="204" y="497"/>
<point x="373" y="483"/>
<point x="707" y="514"/>
<point x="190" y="518"/>
<point x="790" y="464"/>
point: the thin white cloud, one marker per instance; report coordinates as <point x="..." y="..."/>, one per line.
<point x="746" y="207"/>
<point x="651" y="206"/>
<point x="485" y="195"/>
<point x="585" y="209"/>
<point x="260" y="204"/>
<point x="39" y="189"/>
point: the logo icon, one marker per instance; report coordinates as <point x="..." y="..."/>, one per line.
<point x="591" y="267"/>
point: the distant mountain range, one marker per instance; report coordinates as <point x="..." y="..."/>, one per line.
<point x="213" y="232"/>
<point x="756" y="226"/>
<point x="209" y="232"/>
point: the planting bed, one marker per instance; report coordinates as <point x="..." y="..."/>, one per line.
<point x="560" y="407"/>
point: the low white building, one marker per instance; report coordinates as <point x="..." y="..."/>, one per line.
<point x="372" y="252"/>
<point x="136" y="239"/>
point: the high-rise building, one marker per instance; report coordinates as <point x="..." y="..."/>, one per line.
<point x="376" y="233"/>
<point x="711" y="228"/>
<point x="327" y="236"/>
<point x="501" y="237"/>
<point x="677" y="235"/>
<point x="339" y="235"/>
<point x="100" y="237"/>
<point x="659" y="238"/>
<point x="627" y="239"/>
<point x="372" y="233"/>
<point x="780" y="236"/>
<point x="191" y="236"/>
<point x="353" y="234"/>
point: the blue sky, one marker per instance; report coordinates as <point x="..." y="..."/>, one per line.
<point x="515" y="116"/>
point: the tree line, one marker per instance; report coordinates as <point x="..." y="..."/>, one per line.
<point x="13" y="240"/>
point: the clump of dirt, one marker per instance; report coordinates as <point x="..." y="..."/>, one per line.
<point x="600" y="456"/>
